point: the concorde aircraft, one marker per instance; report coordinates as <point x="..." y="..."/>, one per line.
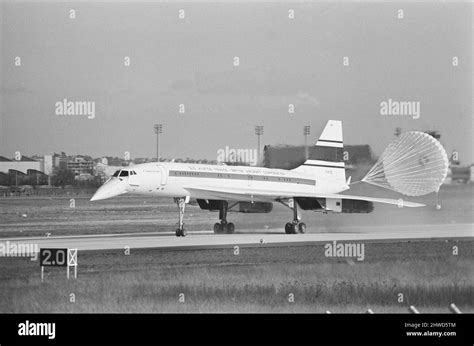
<point x="314" y="185"/>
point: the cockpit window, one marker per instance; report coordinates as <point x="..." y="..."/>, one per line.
<point x="124" y="173"/>
<point x="116" y="173"/>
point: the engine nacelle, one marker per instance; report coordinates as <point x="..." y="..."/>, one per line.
<point x="209" y="204"/>
<point x="349" y="206"/>
<point x="240" y="207"/>
<point x="256" y="207"/>
<point x="357" y="206"/>
<point x="336" y="205"/>
<point x="307" y="203"/>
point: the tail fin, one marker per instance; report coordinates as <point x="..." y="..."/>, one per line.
<point x="327" y="158"/>
<point x="332" y="135"/>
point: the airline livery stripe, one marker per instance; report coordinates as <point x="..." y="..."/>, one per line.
<point x="327" y="140"/>
<point x="312" y="165"/>
<point x="329" y="144"/>
<point x="325" y="162"/>
<point x="236" y="176"/>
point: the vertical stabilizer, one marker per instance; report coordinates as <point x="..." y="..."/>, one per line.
<point x="332" y="135"/>
<point x="328" y="163"/>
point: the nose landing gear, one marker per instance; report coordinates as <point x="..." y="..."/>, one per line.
<point x="181" y="202"/>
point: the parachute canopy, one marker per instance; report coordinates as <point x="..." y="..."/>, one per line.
<point x="415" y="164"/>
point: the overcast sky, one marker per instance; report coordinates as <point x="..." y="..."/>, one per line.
<point x="190" y="61"/>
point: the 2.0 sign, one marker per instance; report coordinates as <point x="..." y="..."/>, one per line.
<point x="53" y="257"/>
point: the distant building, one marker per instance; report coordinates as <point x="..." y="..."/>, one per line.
<point x="48" y="164"/>
<point x="140" y="160"/>
<point x="105" y="171"/>
<point x="84" y="177"/>
<point x="24" y="165"/>
<point x="460" y="174"/>
<point x="60" y="161"/>
<point x="79" y="165"/>
<point x="289" y="157"/>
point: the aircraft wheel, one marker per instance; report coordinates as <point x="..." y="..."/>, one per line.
<point x="217" y="228"/>
<point x="183" y="233"/>
<point x="178" y="232"/>
<point x="288" y="228"/>
<point x="230" y="228"/>
<point x="302" y="227"/>
<point x="223" y="227"/>
<point x="294" y="228"/>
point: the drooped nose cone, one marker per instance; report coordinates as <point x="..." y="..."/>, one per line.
<point x="112" y="188"/>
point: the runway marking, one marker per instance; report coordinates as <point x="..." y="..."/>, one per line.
<point x="205" y="239"/>
<point x="164" y="221"/>
<point x="138" y="234"/>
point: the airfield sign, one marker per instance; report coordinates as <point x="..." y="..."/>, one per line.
<point x="58" y="257"/>
<point x="53" y="257"/>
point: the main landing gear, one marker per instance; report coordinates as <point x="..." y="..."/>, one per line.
<point x="294" y="226"/>
<point x="223" y="226"/>
<point x="181" y="202"/>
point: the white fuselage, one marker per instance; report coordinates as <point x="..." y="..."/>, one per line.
<point x="181" y="179"/>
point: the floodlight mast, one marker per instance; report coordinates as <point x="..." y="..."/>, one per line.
<point x="258" y="132"/>
<point x="306" y="133"/>
<point x="158" y="129"/>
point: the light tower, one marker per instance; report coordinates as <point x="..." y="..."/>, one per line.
<point x="306" y="132"/>
<point x="258" y="132"/>
<point x="158" y="130"/>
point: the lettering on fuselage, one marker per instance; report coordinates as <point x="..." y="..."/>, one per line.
<point x="239" y="176"/>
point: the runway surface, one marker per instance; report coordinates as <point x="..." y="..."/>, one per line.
<point x="274" y="237"/>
